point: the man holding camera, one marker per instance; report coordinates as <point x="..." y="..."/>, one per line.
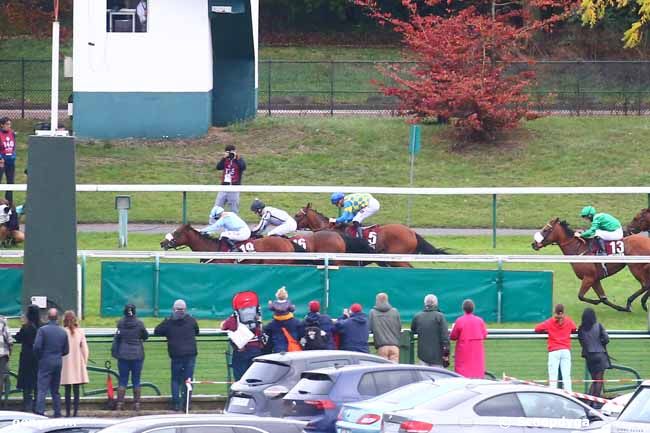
<point x="233" y="167"/>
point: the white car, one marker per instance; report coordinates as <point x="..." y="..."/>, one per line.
<point x="615" y="406"/>
<point x="635" y="416"/>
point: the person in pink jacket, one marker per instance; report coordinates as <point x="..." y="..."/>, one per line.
<point x="469" y="332"/>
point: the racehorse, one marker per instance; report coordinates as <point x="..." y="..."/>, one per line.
<point x="332" y="241"/>
<point x="186" y="235"/>
<point x="385" y="239"/>
<point x="558" y="232"/>
<point x="640" y="222"/>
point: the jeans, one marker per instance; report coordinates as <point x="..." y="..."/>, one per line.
<point x="242" y="359"/>
<point x="10" y="170"/>
<point x="49" y="378"/>
<point x="232" y="198"/>
<point x="129" y="366"/>
<point x="562" y="359"/>
<point x="182" y="369"/>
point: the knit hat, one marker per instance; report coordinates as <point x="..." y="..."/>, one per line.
<point x="355" y="308"/>
<point x="281" y="294"/>
<point x="314" y="306"/>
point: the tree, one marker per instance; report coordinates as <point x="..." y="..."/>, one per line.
<point x="33" y="17"/>
<point x="594" y="11"/>
<point x="463" y="61"/>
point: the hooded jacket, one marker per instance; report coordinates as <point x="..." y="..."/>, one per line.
<point x="354" y="332"/>
<point x="385" y="325"/>
<point x="276" y="337"/>
<point x="181" y="331"/>
<point x="127" y="342"/>
<point x="433" y="335"/>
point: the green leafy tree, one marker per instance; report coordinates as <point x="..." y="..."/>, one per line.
<point x="594" y="10"/>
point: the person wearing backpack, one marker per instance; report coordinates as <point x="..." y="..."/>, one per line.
<point x="317" y="329"/>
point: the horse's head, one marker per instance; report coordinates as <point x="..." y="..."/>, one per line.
<point x="640" y="222"/>
<point x="310" y="219"/>
<point x="555" y="231"/>
<point x="178" y="238"/>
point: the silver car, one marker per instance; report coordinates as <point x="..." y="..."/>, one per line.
<point x="60" y="425"/>
<point x="497" y="408"/>
<point x="635" y="417"/>
<point x="270" y="377"/>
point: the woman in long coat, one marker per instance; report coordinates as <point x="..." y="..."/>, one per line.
<point x="469" y="332"/>
<point x="28" y="364"/>
<point x="74" y="370"/>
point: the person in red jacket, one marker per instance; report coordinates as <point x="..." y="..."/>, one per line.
<point x="559" y="329"/>
<point x="7" y="154"/>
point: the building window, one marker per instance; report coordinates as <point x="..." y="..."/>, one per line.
<point x="127" y="16"/>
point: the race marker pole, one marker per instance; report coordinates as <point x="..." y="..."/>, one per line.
<point x="414" y="148"/>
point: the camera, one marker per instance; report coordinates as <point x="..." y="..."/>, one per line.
<point x="231" y="155"/>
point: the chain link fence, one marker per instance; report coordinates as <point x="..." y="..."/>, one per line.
<point x="350" y="87"/>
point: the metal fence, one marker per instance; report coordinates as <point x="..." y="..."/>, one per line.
<point x="349" y="87"/>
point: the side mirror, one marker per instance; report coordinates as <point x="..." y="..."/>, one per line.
<point x="275" y="392"/>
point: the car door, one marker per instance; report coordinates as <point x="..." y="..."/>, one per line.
<point x="552" y="412"/>
<point x="498" y="414"/>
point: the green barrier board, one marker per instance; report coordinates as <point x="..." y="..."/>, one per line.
<point x="11" y="291"/>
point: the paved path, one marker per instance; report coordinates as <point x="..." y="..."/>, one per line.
<point x="167" y="228"/>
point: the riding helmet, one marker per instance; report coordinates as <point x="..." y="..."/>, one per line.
<point x="588" y="211"/>
<point x="336" y="197"/>
<point x="257" y="205"/>
<point x="216" y="212"/>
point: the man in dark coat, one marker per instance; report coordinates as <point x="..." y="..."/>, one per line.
<point x="28" y="364"/>
<point x="50" y="346"/>
<point x="432" y="330"/>
<point x="353" y="329"/>
<point x="181" y="330"/>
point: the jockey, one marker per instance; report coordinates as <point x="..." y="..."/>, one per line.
<point x="356" y="208"/>
<point x="283" y="222"/>
<point x="604" y="227"/>
<point x="235" y="228"/>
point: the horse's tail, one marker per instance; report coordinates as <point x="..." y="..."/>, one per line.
<point x="424" y="247"/>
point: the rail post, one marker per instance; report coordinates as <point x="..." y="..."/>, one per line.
<point x="331" y="87"/>
<point x="268" y="86"/>
<point x="326" y="284"/>
<point x="156" y="286"/>
<point x="184" y="217"/>
<point x="83" y="286"/>
<point x="499" y="284"/>
<point x="494" y="220"/>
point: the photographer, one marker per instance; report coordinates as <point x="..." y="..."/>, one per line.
<point x="233" y="167"/>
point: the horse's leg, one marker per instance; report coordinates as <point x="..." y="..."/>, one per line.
<point x="644" y="300"/>
<point x="642" y="273"/>
<point x="584" y="287"/>
<point x="598" y="288"/>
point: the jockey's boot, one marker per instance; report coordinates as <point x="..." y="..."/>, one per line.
<point x="357" y="227"/>
<point x="230" y="243"/>
<point x="602" y="251"/>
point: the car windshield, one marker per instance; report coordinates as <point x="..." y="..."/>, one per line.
<point x="449" y="400"/>
<point x="638" y="409"/>
<point x="264" y="371"/>
<point x="314" y="384"/>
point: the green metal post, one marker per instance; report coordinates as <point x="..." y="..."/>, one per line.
<point x="326" y="295"/>
<point x="648" y="200"/>
<point x="499" y="284"/>
<point x="156" y="286"/>
<point x="83" y="286"/>
<point x="184" y="207"/>
<point x="494" y="220"/>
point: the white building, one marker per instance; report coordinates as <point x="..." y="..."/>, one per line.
<point x="163" y="68"/>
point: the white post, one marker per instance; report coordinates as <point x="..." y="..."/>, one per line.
<point x="54" y="120"/>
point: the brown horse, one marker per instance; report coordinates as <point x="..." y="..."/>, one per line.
<point x="385" y="239"/>
<point x="640" y="222"/>
<point x="186" y="235"/>
<point x="558" y="232"/>
<point x="332" y="241"/>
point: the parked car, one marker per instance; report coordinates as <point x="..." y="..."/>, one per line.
<point x="319" y="395"/>
<point x="60" y="425"/>
<point x="8" y="417"/>
<point x="365" y="416"/>
<point x="205" y="424"/>
<point x="615" y="406"/>
<point x="635" y="416"/>
<point x="497" y="408"/>
<point x="260" y="390"/>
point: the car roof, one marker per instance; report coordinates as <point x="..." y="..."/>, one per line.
<point x="157" y="420"/>
<point x="315" y="354"/>
<point x="14" y="414"/>
<point x="377" y="367"/>
<point x="50" y="423"/>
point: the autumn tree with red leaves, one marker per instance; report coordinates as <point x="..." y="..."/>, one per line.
<point x="462" y="70"/>
<point x="33" y="18"/>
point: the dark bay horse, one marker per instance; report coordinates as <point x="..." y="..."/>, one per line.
<point x="640" y="222"/>
<point x="332" y="241"/>
<point x="186" y="235"/>
<point x="386" y="239"/>
<point x="558" y="232"/>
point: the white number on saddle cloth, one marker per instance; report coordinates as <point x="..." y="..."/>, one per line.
<point x="372" y="238"/>
<point x="248" y="247"/>
<point x="302" y="242"/>
<point x="617" y="248"/>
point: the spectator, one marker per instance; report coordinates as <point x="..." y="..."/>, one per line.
<point x="128" y="349"/>
<point x="181" y="330"/>
<point x="141" y="16"/>
<point x="352" y="329"/>
<point x="5" y="353"/>
<point x="385" y="324"/>
<point x="10" y="233"/>
<point x="317" y="329"/>
<point x="242" y="358"/>
<point x="593" y="339"/>
<point x="559" y="329"/>
<point x="75" y="363"/>
<point x="432" y="330"/>
<point x="7" y="154"/>
<point x="469" y="332"/>
<point x="282" y="304"/>
<point x="28" y="363"/>
<point x="233" y="167"/>
<point x="50" y="346"/>
<point x="284" y="330"/>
